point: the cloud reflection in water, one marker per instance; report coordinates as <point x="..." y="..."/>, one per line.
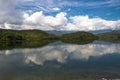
<point x="61" y="52"/>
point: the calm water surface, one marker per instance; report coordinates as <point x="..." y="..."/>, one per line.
<point x="61" y="61"/>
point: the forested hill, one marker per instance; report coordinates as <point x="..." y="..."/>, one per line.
<point x="27" y="35"/>
<point x="110" y="36"/>
<point x="80" y="37"/>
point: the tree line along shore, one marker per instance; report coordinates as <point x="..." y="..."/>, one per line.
<point x="39" y="35"/>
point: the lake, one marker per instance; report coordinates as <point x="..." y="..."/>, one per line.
<point x="61" y="61"/>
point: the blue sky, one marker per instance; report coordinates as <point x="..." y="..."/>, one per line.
<point x="106" y="9"/>
<point x="60" y="14"/>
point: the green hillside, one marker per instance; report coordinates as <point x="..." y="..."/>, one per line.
<point x="110" y="36"/>
<point x="26" y="35"/>
<point x="80" y="37"/>
<point x="40" y="36"/>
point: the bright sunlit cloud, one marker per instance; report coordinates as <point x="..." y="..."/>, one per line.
<point x="60" y="15"/>
<point x="61" y="53"/>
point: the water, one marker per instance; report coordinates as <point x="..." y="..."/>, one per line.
<point x="61" y="61"/>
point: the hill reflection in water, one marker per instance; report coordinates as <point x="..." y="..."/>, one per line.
<point x="61" y="52"/>
<point x="61" y="61"/>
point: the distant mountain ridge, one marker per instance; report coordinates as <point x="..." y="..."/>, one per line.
<point x="66" y="32"/>
<point x="56" y="32"/>
<point x="100" y="31"/>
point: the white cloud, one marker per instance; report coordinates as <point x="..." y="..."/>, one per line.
<point x="62" y="52"/>
<point x="56" y="9"/>
<point x="38" y="20"/>
<point x="60" y="22"/>
<point x="45" y="22"/>
<point x="86" y="23"/>
<point x="11" y="18"/>
<point x="8" y="13"/>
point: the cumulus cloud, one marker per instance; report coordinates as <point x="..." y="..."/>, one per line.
<point x="38" y="20"/>
<point x="8" y="14"/>
<point x="12" y="18"/>
<point x="86" y="23"/>
<point x="60" y="22"/>
<point x="62" y="53"/>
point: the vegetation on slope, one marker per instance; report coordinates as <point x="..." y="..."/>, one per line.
<point x="78" y="37"/>
<point x="110" y="36"/>
<point x="41" y="37"/>
<point x="25" y="35"/>
<point x="24" y="44"/>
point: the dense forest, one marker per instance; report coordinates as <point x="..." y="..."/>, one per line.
<point x="25" y="35"/>
<point x="110" y="36"/>
<point x="42" y="37"/>
<point x="80" y="37"/>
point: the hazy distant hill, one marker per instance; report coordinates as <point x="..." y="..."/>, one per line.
<point x="59" y="32"/>
<point x="66" y="32"/>
<point x="100" y="31"/>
